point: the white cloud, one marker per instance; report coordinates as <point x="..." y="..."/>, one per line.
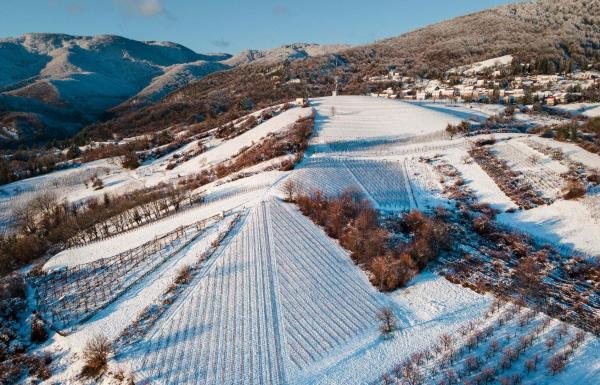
<point x="145" y="8"/>
<point x="150" y="7"/>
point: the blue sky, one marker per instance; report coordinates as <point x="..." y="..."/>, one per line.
<point x="232" y="25"/>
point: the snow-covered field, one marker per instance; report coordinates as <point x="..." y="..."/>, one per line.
<point x="278" y="301"/>
<point x="591" y="110"/>
<point x="540" y="170"/>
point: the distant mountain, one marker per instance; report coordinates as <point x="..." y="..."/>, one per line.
<point x="285" y="52"/>
<point x="58" y="82"/>
<point x="51" y="85"/>
<point x="543" y="36"/>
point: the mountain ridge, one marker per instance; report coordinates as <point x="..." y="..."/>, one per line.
<point x="87" y="76"/>
<point x="548" y="37"/>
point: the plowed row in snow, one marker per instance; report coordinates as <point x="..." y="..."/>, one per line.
<point x="325" y="174"/>
<point x="385" y="181"/>
<point x="224" y="330"/>
<point x="271" y="303"/>
<point x="325" y="300"/>
<point x="542" y="172"/>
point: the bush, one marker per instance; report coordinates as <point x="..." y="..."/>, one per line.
<point x="556" y="363"/>
<point x="38" y="330"/>
<point x="184" y="275"/>
<point x="97" y="184"/>
<point x="95" y="356"/>
<point x="130" y="160"/>
<point x="574" y="190"/>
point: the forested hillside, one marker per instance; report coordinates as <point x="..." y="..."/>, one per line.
<point x="543" y="36"/>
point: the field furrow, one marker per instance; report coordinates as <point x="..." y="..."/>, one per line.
<point x="223" y="330"/>
<point x="325" y="302"/>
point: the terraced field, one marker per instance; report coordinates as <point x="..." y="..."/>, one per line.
<point x="270" y="304"/>
<point x="70" y="296"/>
<point x="325" y="300"/>
<point x="542" y="172"/>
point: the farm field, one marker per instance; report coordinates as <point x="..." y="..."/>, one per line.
<point x="263" y="326"/>
<point x="543" y="173"/>
<point x="242" y="288"/>
<point x="386" y="182"/>
<point x="327" y="174"/>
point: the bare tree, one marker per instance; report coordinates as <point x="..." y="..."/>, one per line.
<point x="388" y="322"/>
<point x="556" y="363"/>
<point x="446" y="340"/>
<point x="412" y="375"/>
<point x="290" y="189"/>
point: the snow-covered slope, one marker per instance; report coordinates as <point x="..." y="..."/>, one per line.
<point x="174" y="77"/>
<point x="277" y="301"/>
<point x="286" y="52"/>
<point x="64" y="82"/>
<point x="479" y="67"/>
<point x="86" y="75"/>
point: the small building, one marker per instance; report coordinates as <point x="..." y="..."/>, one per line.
<point x="447" y="92"/>
<point x="550" y="101"/>
<point x="423" y="95"/>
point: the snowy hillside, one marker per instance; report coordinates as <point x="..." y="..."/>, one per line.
<point x="243" y="288"/>
<point x="83" y="76"/>
<point x="286" y="52"/>
<point x="54" y="84"/>
<point x="479" y="67"/>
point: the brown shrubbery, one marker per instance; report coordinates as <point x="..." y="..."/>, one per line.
<point x="291" y="141"/>
<point x="516" y="188"/>
<point x="95" y="357"/>
<point x="14" y="359"/>
<point x="44" y="222"/>
<point x="356" y="224"/>
<point x="575" y="189"/>
<point x="38" y="329"/>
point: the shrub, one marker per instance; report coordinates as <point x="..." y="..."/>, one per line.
<point x="184" y="275"/>
<point x="574" y="190"/>
<point x="97" y="184"/>
<point x="95" y="356"/>
<point x="556" y="363"/>
<point x="130" y="160"/>
<point x="38" y="330"/>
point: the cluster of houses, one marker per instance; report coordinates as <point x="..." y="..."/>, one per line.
<point x="495" y="86"/>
